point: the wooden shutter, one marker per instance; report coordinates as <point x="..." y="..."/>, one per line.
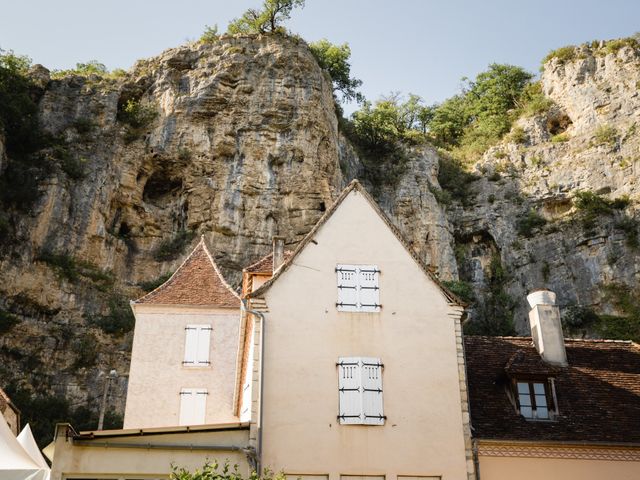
<point x="347" y="288"/>
<point x="190" y="345"/>
<point x="193" y="403"/>
<point x="368" y="288"/>
<point x="372" y="407"/>
<point x="203" y="344"/>
<point x="350" y="391"/>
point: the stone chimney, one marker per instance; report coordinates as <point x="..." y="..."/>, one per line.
<point x="546" y="329"/>
<point x="278" y="252"/>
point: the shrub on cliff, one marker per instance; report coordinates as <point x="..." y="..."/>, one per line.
<point x="335" y="60"/>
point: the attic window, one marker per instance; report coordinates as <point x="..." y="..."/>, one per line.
<point x="358" y="288"/>
<point x="534" y="400"/>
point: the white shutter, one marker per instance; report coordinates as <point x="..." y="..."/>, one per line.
<point x="347" y="288"/>
<point x="190" y="345"/>
<point x="203" y="344"/>
<point x="373" y="411"/>
<point x="193" y="403"/>
<point x="368" y="288"/>
<point x="350" y="391"/>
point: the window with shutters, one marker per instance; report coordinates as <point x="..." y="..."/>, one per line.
<point x="358" y="288"/>
<point x="360" y="391"/>
<point x="196" y="345"/>
<point x="193" y="402"/>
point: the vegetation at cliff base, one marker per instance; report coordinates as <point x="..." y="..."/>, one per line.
<point x="215" y="471"/>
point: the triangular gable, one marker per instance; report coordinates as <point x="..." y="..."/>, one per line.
<point x="356" y="185"/>
<point x="197" y="281"/>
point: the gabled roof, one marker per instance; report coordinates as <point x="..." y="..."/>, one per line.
<point x="5" y="402"/>
<point x="265" y="264"/>
<point x="197" y="281"/>
<point x="357" y="186"/>
<point x="598" y="393"/>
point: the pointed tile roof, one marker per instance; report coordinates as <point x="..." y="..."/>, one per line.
<point x="197" y="281"/>
<point x="265" y="264"/>
<point x="356" y="185"/>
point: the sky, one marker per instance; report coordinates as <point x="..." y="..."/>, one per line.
<point x="419" y="46"/>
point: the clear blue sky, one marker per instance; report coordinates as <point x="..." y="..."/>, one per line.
<point x="423" y="47"/>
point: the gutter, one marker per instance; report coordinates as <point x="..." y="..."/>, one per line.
<point x="243" y="307"/>
<point x="156" y="446"/>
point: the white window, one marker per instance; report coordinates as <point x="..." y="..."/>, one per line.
<point x="358" y="288"/>
<point x="193" y="402"/>
<point x="196" y="345"/>
<point x="360" y="391"/>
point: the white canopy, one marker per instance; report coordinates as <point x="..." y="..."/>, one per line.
<point x="15" y="462"/>
<point x="31" y="447"/>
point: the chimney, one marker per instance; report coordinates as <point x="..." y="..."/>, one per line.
<point x="546" y="329"/>
<point x="278" y="252"/>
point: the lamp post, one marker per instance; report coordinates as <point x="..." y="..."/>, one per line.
<point x="112" y="376"/>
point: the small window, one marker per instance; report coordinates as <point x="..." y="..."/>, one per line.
<point x="358" y="288"/>
<point x="196" y="345"/>
<point x="193" y="402"/>
<point x="533" y="400"/>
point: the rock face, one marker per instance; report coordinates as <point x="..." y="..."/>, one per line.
<point x="238" y="141"/>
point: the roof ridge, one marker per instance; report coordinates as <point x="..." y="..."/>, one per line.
<point x="356" y="185"/>
<point x="215" y="267"/>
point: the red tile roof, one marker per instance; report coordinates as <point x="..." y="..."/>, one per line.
<point x="265" y="264"/>
<point x="598" y="393"/>
<point x="196" y="282"/>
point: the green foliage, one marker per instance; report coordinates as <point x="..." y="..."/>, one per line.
<point x="518" y="135"/>
<point x="119" y="320"/>
<point x="495" y="313"/>
<point x="625" y="300"/>
<point x="83" y="125"/>
<point x="613" y="46"/>
<point x="85" y="350"/>
<point x="269" y="19"/>
<point x="533" y="101"/>
<point x="92" y="67"/>
<point x="335" y="60"/>
<point x="591" y="203"/>
<point x="562" y="54"/>
<point x="171" y="248"/>
<point x="464" y="290"/>
<point x="526" y="224"/>
<point x="136" y="116"/>
<point x="68" y="268"/>
<point x="629" y="226"/>
<point x="150" y="285"/>
<point x="7" y="321"/>
<point x="578" y="319"/>
<point x="210" y="34"/>
<point x="213" y="471"/>
<point x="605" y="135"/>
<point x="560" y="138"/>
<point x="455" y="180"/>
<point x="42" y="411"/>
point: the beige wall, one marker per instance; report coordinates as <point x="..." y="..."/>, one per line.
<point x="157" y="374"/>
<point x="414" y="336"/>
<point x="12" y="419"/>
<point x="523" y="468"/>
<point x="72" y="460"/>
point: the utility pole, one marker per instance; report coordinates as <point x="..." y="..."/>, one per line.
<point x="103" y="407"/>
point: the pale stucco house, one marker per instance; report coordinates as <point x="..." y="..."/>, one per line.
<point x="10" y="412"/>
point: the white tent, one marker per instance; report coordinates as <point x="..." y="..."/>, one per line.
<point x="15" y="462"/>
<point x="31" y="447"/>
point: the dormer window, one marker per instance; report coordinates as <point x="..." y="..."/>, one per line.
<point x="534" y="400"/>
<point x="358" y="288"/>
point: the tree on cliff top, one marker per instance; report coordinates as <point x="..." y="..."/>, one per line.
<point x="267" y="20"/>
<point x="335" y="60"/>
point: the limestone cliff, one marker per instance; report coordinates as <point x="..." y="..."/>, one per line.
<point x="239" y="141"/>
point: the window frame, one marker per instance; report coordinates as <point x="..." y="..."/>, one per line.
<point x="549" y="395"/>
<point x="359" y="286"/>
<point x="196" y="362"/>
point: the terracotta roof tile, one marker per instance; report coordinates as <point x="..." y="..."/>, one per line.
<point x="196" y="282"/>
<point x="598" y="393"/>
<point x="265" y="264"/>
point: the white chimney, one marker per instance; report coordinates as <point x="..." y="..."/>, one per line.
<point x="546" y="329"/>
<point x="278" y="252"/>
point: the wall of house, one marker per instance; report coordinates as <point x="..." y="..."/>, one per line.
<point x="414" y="335"/>
<point x="527" y="468"/>
<point x="157" y="374"/>
<point x="74" y="461"/>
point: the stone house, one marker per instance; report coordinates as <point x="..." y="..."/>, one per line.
<point x="345" y="360"/>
